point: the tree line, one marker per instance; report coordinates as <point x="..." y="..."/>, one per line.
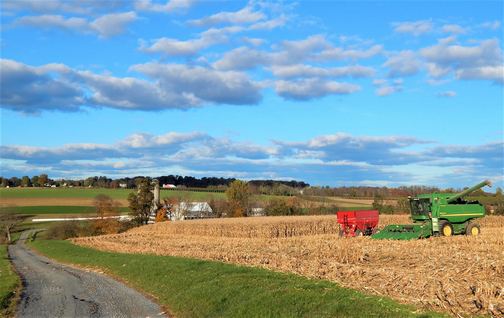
<point x="131" y="183"/>
<point x="268" y="187"/>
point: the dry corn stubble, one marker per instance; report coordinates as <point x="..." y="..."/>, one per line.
<point x="460" y="275"/>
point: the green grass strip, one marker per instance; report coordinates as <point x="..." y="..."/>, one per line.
<point x="9" y="281"/>
<point x="63" y="192"/>
<point x="35" y="210"/>
<point x="90" y="193"/>
<point x="196" y="288"/>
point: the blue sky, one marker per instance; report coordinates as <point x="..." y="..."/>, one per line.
<point x="331" y="92"/>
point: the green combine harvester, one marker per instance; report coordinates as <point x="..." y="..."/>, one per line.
<point x="437" y="214"/>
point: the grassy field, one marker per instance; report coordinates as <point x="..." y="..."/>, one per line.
<point x="9" y="281"/>
<point x="122" y="194"/>
<point x="38" y="210"/>
<point x="91" y="193"/>
<point x="62" y="193"/>
<point x="195" y="288"/>
<point x="54" y="202"/>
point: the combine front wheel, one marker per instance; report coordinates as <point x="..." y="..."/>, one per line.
<point x="472" y="229"/>
<point x="446" y="228"/>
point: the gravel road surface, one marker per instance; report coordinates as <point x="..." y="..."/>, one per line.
<point x="54" y="290"/>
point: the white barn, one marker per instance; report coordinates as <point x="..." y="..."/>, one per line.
<point x="192" y="210"/>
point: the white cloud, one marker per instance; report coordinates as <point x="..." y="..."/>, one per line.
<point x="490" y="73"/>
<point x="487" y="52"/>
<point x="243" y="16"/>
<point x="143" y="140"/>
<point x="448" y="40"/>
<point x="386" y="90"/>
<point x="253" y="41"/>
<point x="454" y="28"/>
<point x="404" y="63"/>
<point x="176" y="47"/>
<point x="437" y="70"/>
<point x="336" y="53"/>
<point x="301" y="70"/>
<point x="106" y="25"/>
<point x="30" y="89"/>
<point x="226" y="87"/>
<point x="250" y="18"/>
<point x="57" y="87"/>
<point x="312" y="48"/>
<point x="415" y="28"/>
<point x="481" y="62"/>
<point x="129" y="93"/>
<point x="52" y="6"/>
<point x="54" y="21"/>
<point x="307" y="89"/>
<point x="269" y="24"/>
<point x="112" y="24"/>
<point x="169" y="6"/>
<point x="387" y="87"/>
<point x="242" y="58"/>
<point x="340" y="147"/>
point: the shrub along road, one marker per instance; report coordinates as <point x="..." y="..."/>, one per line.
<point x="54" y="290"/>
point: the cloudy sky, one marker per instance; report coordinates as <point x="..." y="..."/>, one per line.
<point x="328" y="92"/>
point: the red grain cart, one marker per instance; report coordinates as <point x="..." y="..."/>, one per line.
<point x="357" y="223"/>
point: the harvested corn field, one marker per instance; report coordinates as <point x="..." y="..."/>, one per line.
<point x="459" y="275"/>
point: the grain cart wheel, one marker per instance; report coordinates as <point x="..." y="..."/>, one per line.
<point x="445" y="228"/>
<point x="472" y="229"/>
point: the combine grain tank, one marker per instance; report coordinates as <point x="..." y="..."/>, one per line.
<point x="443" y="214"/>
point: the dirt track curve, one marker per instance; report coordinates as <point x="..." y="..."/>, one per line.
<point x="54" y="290"/>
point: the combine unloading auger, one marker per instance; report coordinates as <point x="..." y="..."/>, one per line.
<point x="438" y="214"/>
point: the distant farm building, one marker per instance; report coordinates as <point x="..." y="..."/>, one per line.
<point x="256" y="212"/>
<point x="123" y="185"/>
<point x="192" y="210"/>
<point x="169" y="186"/>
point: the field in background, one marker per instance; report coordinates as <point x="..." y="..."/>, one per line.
<point x="460" y="275"/>
<point x="49" y="202"/>
<point x="58" y="202"/>
<point x="91" y="193"/>
<point x="37" y="210"/>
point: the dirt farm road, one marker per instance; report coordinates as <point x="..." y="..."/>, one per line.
<point x="54" y="290"/>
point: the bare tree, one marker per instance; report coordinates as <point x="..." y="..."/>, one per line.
<point x="7" y="223"/>
<point x="105" y="208"/>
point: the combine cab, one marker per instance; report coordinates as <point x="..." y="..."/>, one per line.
<point x="444" y="214"/>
